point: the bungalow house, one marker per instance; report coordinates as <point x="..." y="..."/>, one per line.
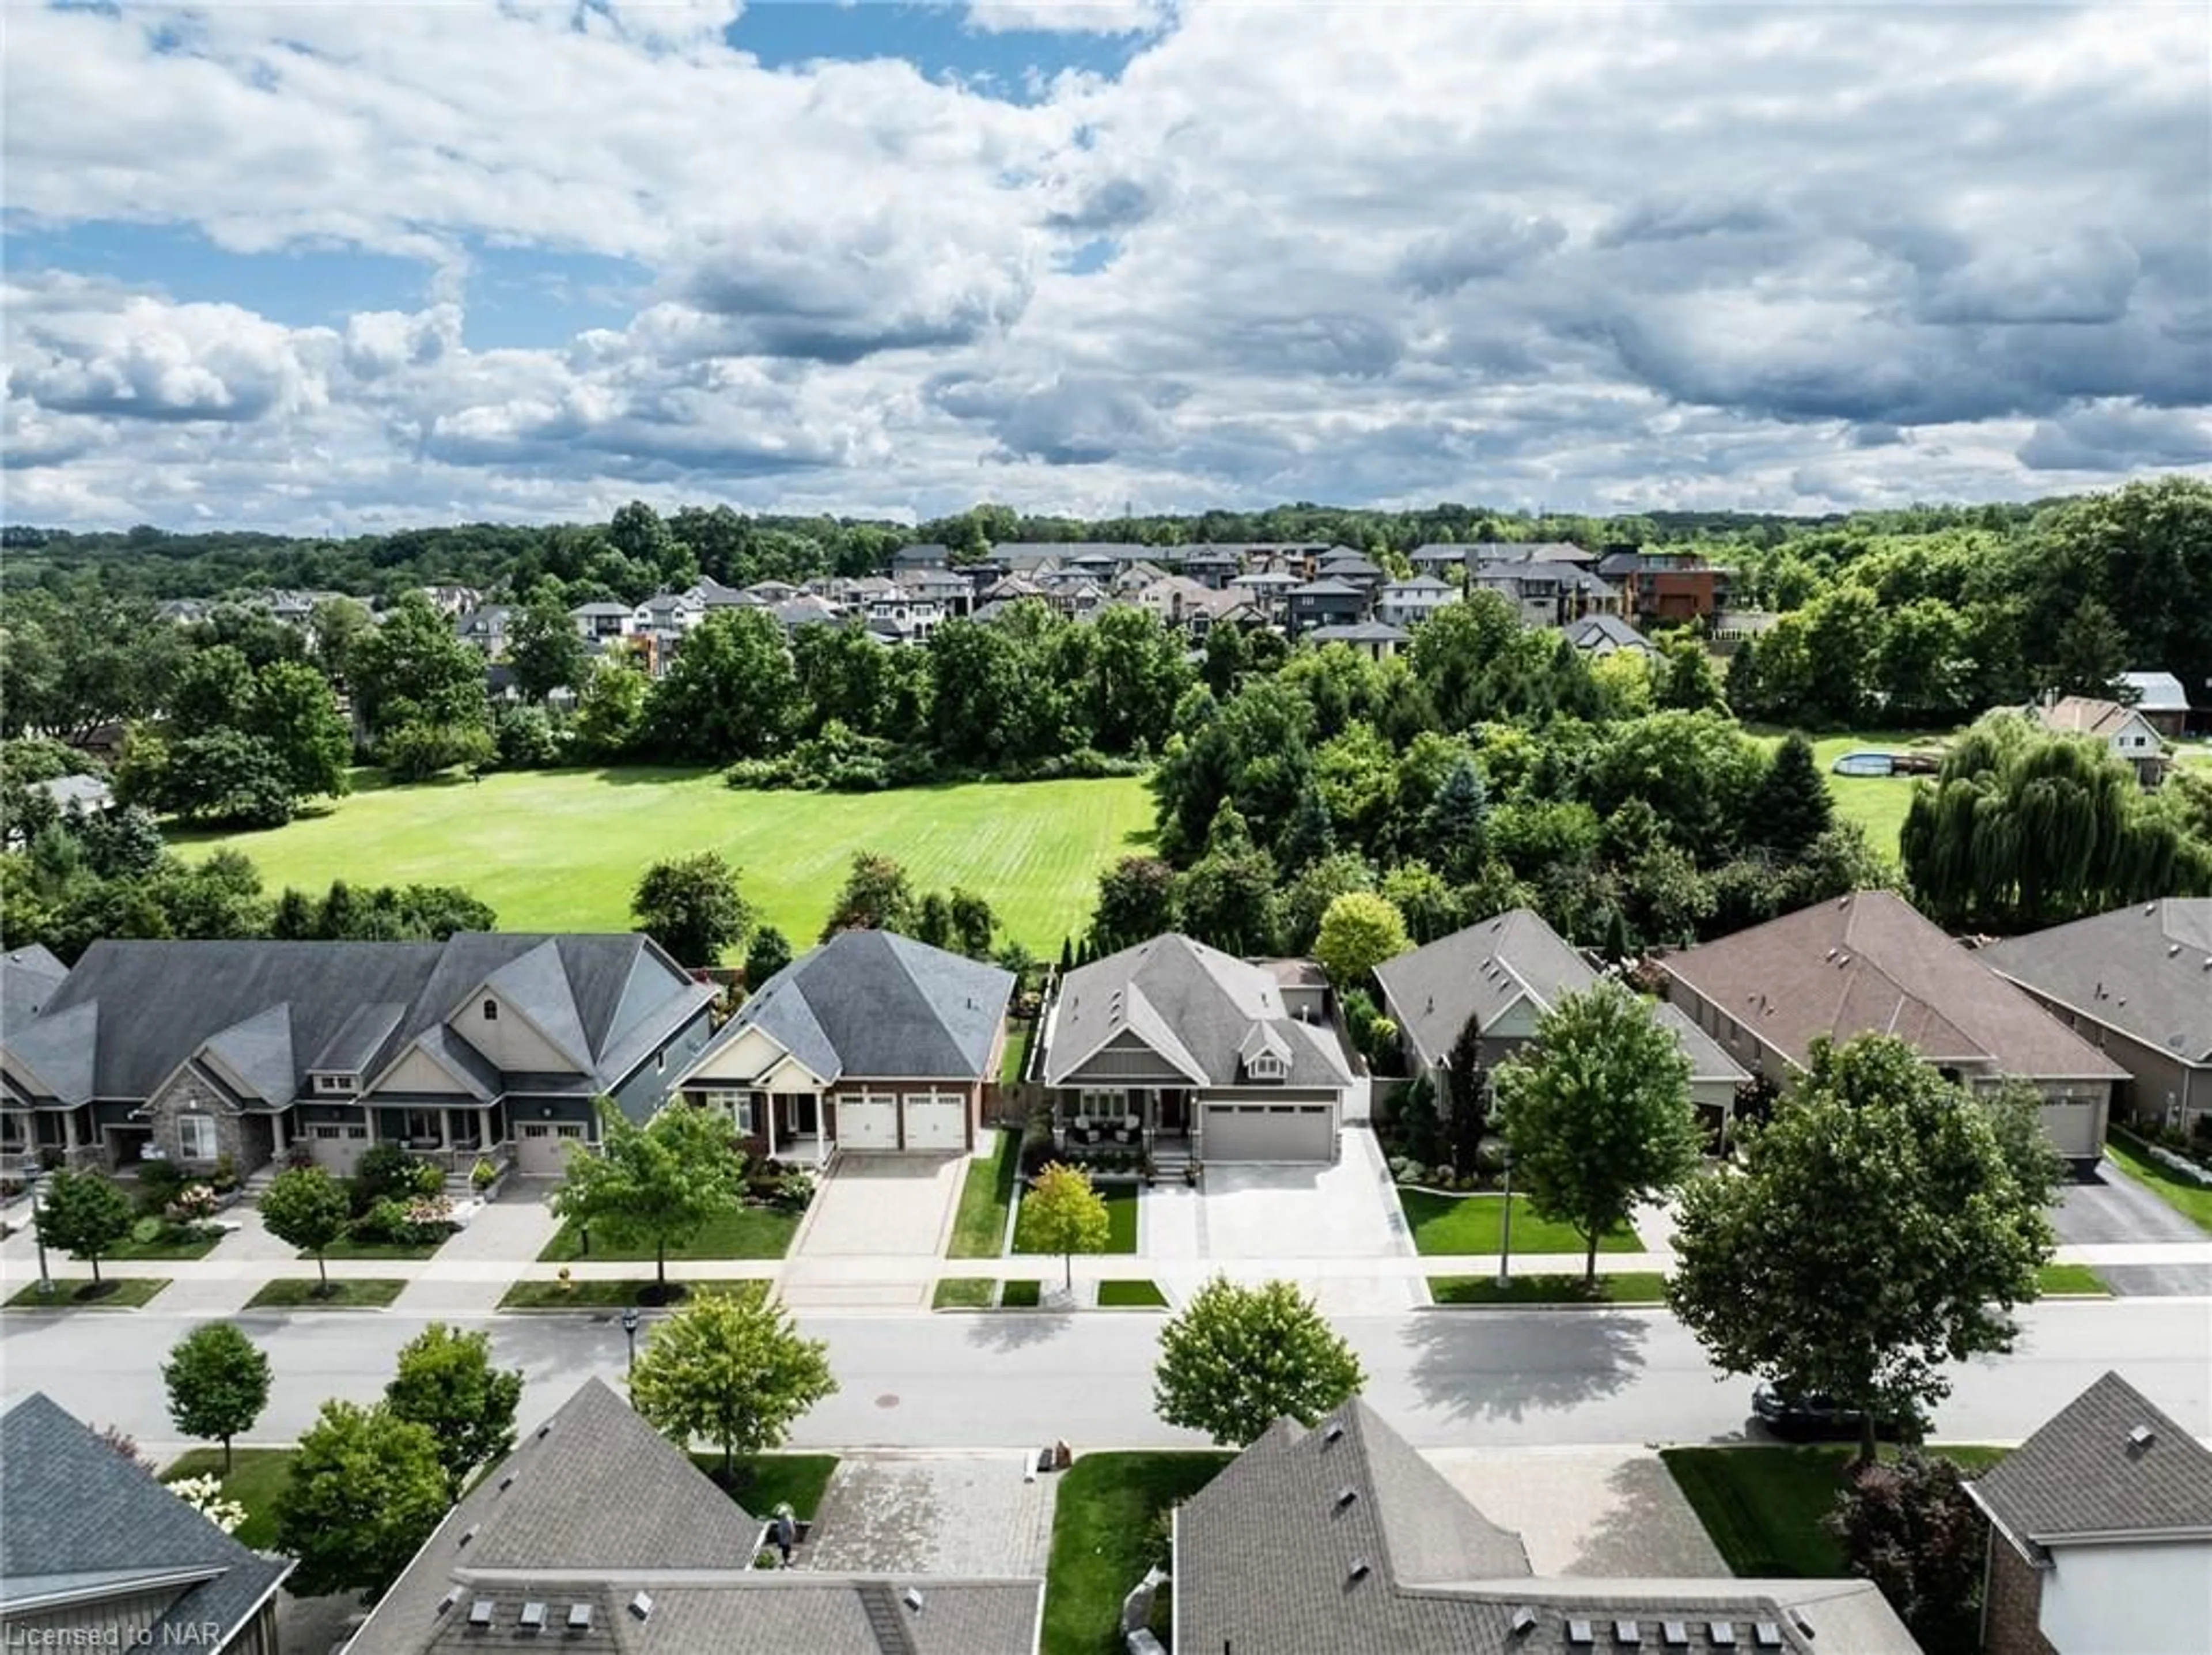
<point x="1342" y="1536"/>
<point x="1408" y="603"/>
<point x="871" y="1042"/>
<point x="1870" y="963"/>
<point x="2136" y="983"/>
<point x="2127" y="733"/>
<point x="1375" y="639"/>
<point x="1194" y="1055"/>
<point x="1600" y="636"/>
<point x="598" y="1534"/>
<point x="2100" y="1533"/>
<point x="2160" y="698"/>
<point x="488" y="1044"/>
<point x="95" y="1554"/>
<point x="1325" y="602"/>
<point x="1505" y="973"/>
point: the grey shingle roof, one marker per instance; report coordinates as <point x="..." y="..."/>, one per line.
<point x="2145" y="970"/>
<point x="874" y="1003"/>
<point x="1194" y="1005"/>
<point x="2081" y="1475"/>
<point x="1361" y="632"/>
<point x="81" y="1516"/>
<point x="1870" y="962"/>
<point x="1592" y="629"/>
<point x="28" y="977"/>
<point x="1483" y="970"/>
<point x="2156" y="692"/>
<point x="1268" y="1557"/>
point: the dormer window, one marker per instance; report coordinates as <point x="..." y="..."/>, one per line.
<point x="491" y="1011"/>
<point x="341" y="1084"/>
<point x="1266" y="1066"/>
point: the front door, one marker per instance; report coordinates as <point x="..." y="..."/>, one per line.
<point x="1174" y="1111"/>
<point x="799" y="1116"/>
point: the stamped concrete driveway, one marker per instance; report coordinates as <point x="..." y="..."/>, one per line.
<point x="945" y="1514"/>
<point x="1267" y="1213"/>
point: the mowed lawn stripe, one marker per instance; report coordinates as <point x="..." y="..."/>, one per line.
<point x="562" y="849"/>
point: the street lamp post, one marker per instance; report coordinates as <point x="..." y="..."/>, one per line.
<point x="1505" y="1237"/>
<point x="38" y="1191"/>
<point x="630" y="1328"/>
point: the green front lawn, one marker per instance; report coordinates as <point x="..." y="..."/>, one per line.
<point x="963" y="1292"/>
<point x="2072" y="1278"/>
<point x="171" y="1246"/>
<point x="1762" y="1506"/>
<point x="979" y="1231"/>
<point x="351" y="1247"/>
<point x="1475" y="1224"/>
<point x="1021" y="1295"/>
<point x="1126" y="1295"/>
<point x="749" y="1232"/>
<point x="298" y="1293"/>
<point x="1105" y="1533"/>
<point x="1626" y="1288"/>
<point x="1120" y="1201"/>
<point x="115" y="1292"/>
<point x="2191" y="1200"/>
<point x="257" y="1477"/>
<point x="561" y="851"/>
<point x="764" y="1481"/>
<point x="543" y="1295"/>
<point x="1020" y="1030"/>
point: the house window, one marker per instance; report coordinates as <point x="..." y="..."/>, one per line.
<point x="491" y="1011"/>
<point x="1267" y="1066"/>
<point x="338" y="1083"/>
<point x="196" y="1137"/>
<point x="738" y="1105"/>
<point x="1101" y="1105"/>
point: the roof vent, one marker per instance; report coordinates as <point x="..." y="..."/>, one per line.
<point x="1360" y="1570"/>
<point x="1766" y="1635"/>
<point x="468" y="1533"/>
<point x="1723" y="1632"/>
<point x="506" y="1482"/>
<point x="641" y="1605"/>
<point x="579" y="1617"/>
<point x="2140" y="1438"/>
<point x="1797" y="1619"/>
<point x="1335" y="1431"/>
<point x="1524" y="1621"/>
<point x="1627" y="1634"/>
<point x="532" y="1618"/>
<point x="912" y="1598"/>
<point x="1580" y="1633"/>
<point x="480" y="1612"/>
<point x="543" y="1429"/>
<point x="452" y="1598"/>
<point x="2172" y="949"/>
<point x="1675" y="1635"/>
<point x="1344" y="1497"/>
<point x="1831" y="954"/>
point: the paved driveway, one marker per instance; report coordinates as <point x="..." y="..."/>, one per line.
<point x="2113" y="1208"/>
<point x="1609" y="1512"/>
<point x="1263" y="1213"/>
<point x="963" y="1514"/>
<point x="884" y="1207"/>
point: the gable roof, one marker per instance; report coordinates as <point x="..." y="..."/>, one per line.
<point x="1592" y="629"/>
<point x="1870" y="963"/>
<point x="1360" y="632"/>
<point x="1484" y="970"/>
<point x="1321" y="589"/>
<point x="2087" y="715"/>
<point x="1268" y="1557"/>
<point x="876" y="1003"/>
<point x="84" y="1522"/>
<point x="2084" y="1477"/>
<point x="2145" y="970"/>
<point x="28" y="977"/>
<point x="1194" y="1005"/>
<point x="2156" y="692"/>
<point x="1418" y="583"/>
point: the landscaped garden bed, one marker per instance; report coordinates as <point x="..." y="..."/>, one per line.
<point x="1120" y="1201"/>
<point x="258" y="1476"/>
<point x="964" y="1292"/>
<point x="1131" y="1295"/>
<point x="1025" y="1295"/>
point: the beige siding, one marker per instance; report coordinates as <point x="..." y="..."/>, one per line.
<point x="507" y="1039"/>
<point x="417" y="1073"/>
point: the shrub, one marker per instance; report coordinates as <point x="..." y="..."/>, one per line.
<point x="794" y="1191"/>
<point x="158" y="1184"/>
<point x="147" y="1230"/>
<point x="386" y="1171"/>
<point x="196" y="1203"/>
<point x="483" y="1176"/>
<point x="299" y="1156"/>
<point x="225" y="1176"/>
<point x="1036" y="1142"/>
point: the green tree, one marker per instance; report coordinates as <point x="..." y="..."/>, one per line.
<point x="731" y="1371"/>
<point x="1598" y="1112"/>
<point x="84" y="1214"/>
<point x="2093" y="652"/>
<point x="545" y="650"/>
<point x="661" y="1183"/>
<point x="1466" y="1098"/>
<point x="1237" y="1358"/>
<point x="305" y="1206"/>
<point x="974" y="924"/>
<point x="1913" y="1530"/>
<point x="1311" y="836"/>
<point x="768" y="953"/>
<point x="876" y="896"/>
<point x="413" y="674"/>
<point x="690" y="906"/>
<point x="446" y="1383"/>
<point x="1456" y="828"/>
<point x="295" y="712"/>
<point x="610" y="712"/>
<point x="335" y="625"/>
<point x="222" y="776"/>
<point x="214" y="689"/>
<point x="1791" y="807"/>
<point x="1877" y="1235"/>
<point x="1358" y="931"/>
<point x="1689" y="683"/>
<point x="1227" y="899"/>
<point x="730" y="693"/>
<point x="1418" y="892"/>
<point x="1061" y="1213"/>
<point x="365" y="1490"/>
<point x="218" y="1384"/>
<point x="1136" y="901"/>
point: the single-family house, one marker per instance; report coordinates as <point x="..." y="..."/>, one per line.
<point x="1132" y="578"/>
<point x="597" y="1535"/>
<point x="598" y="623"/>
<point x="2136" y="983"/>
<point x="711" y="594"/>
<point x="1210" y="566"/>
<point x="80" y="795"/>
<point x="1673" y="586"/>
<point x="1529" y="552"/>
<point x="1376" y="640"/>
<point x="2160" y="697"/>
<point x="1269" y="590"/>
<point x="2100" y="1533"/>
<point x="911" y="559"/>
<point x="1870" y="963"/>
<point x="667" y="615"/>
<point x="871" y="1042"/>
<point x="1342" y="1537"/>
<point x="955" y="593"/>
<point x="1545" y="594"/>
<point x="1325" y="602"/>
<point x="450" y="598"/>
<point x="488" y="1044"/>
<point x="1408" y="603"/>
<point x="902" y="616"/>
<point x="1194" y="1054"/>
<point x="485" y="627"/>
<point x="1505" y="973"/>
<point x="804" y="610"/>
<point x="1354" y="568"/>
<point x="1600" y="636"/>
<point x="2125" y="731"/>
<point x="1438" y="557"/>
<point x="1184" y="605"/>
<point x="95" y="1554"/>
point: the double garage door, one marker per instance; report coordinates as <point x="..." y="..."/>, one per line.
<point x="541" y="1148"/>
<point x="1268" y="1132"/>
<point x="934" y="1120"/>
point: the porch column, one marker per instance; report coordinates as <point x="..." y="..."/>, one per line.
<point x="767" y="1102"/>
<point x="68" y="1131"/>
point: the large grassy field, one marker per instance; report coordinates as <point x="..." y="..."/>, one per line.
<point x="1876" y="803"/>
<point x="562" y="849"/>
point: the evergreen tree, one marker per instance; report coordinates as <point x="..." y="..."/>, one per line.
<point x="1791" y="806"/>
<point x="2093" y="652"/>
<point x="1743" y="686"/>
<point x="1456" y="829"/>
<point x="1467" y="1085"/>
<point x="768" y="953"/>
<point x="1310" y="836"/>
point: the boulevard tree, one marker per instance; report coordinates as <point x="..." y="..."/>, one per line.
<point x="660" y="1183"/>
<point x="1236" y="1358"/>
<point x="84" y="1214"/>
<point x="307" y="1208"/>
<point x="218" y="1384"/>
<point x="446" y="1382"/>
<point x="365" y="1490"/>
<point x="731" y="1370"/>
<point x="1061" y="1213"/>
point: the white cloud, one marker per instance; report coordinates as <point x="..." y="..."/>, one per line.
<point x="1067" y="16"/>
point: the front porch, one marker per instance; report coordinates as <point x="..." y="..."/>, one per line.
<point x="1155" y="1122"/>
<point x="787" y="1126"/>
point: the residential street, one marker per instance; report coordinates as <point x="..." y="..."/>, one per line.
<point x="1445" y="1378"/>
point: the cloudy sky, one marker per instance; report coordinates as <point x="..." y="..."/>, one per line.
<point x="324" y="267"/>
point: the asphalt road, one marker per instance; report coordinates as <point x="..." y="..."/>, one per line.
<point x="1444" y="1378"/>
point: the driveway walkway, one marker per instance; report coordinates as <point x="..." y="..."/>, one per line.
<point x="510" y="1233"/>
<point x="875" y="1234"/>
<point x="1276" y="1212"/>
<point x="951" y="1514"/>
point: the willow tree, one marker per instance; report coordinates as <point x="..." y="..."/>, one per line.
<point x="2021" y="829"/>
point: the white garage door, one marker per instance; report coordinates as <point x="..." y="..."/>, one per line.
<point x="936" y="1120"/>
<point x="2072" y="1124"/>
<point x="1268" y="1132"/>
<point x="335" y="1148"/>
<point x="868" y="1121"/>
<point x="541" y="1148"/>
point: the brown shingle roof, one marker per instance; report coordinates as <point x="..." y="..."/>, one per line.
<point x="1869" y="963"/>
<point x="2085" y="1473"/>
